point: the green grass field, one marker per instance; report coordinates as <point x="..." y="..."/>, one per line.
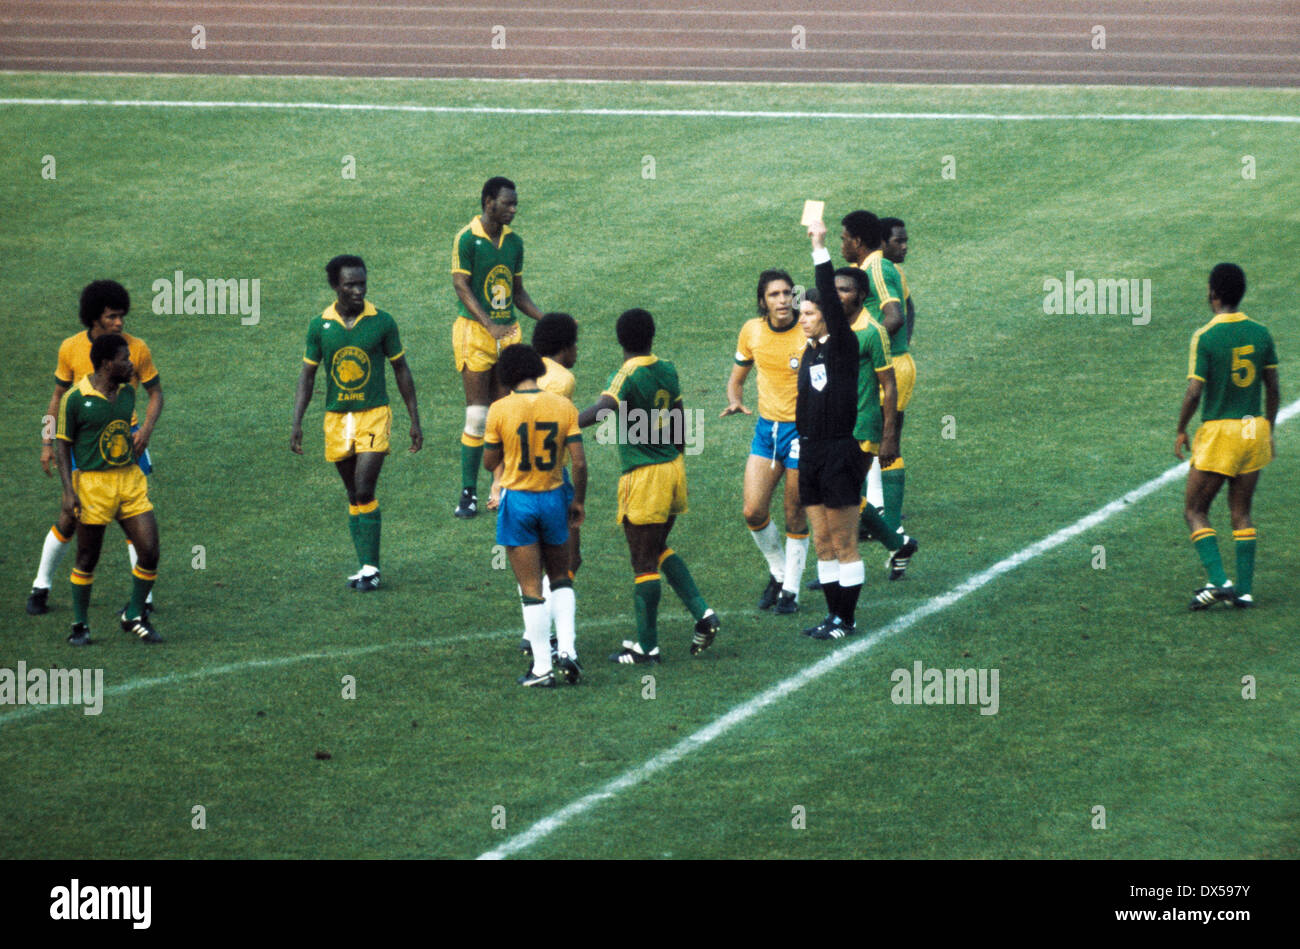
<point x="1111" y="693"/>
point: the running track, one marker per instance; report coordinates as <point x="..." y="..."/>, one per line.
<point x="1170" y="42"/>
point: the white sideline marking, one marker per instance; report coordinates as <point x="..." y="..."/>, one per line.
<point x="747" y="710"/>
<point x="662" y="113"/>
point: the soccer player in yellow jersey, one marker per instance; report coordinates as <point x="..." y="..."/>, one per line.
<point x="103" y="308"/>
<point x="772" y="343"/>
<point x="1232" y="358"/>
<point x="531" y="430"/>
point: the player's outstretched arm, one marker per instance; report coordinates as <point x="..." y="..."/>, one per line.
<point x="592" y="413"/>
<point x="1191" y="399"/>
<point x="306" y="381"/>
<point x="406" y="386"/>
<point x="152" y="412"/>
<point x="49" y="454"/>
<point x="523" y="301"/>
<point x="736" y="391"/>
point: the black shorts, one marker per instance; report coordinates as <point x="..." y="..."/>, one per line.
<point x="831" y="472"/>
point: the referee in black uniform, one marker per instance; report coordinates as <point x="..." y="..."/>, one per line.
<point x="831" y="465"/>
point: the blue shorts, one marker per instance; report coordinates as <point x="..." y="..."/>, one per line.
<point x="778" y="441"/>
<point x="146" y="465"/>
<point x="532" y="517"/>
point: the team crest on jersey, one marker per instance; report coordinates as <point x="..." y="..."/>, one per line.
<point x="499" y="287"/>
<point x="794" y="362"/>
<point x="115" y="443"/>
<point x="350" y="368"/>
<point x="818" y="377"/>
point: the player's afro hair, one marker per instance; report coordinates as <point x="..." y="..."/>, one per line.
<point x="764" y="279"/>
<point x="105" y="348"/>
<point x="1228" y="283"/>
<point x="636" y="330"/>
<point x="865" y="226"/>
<point x="493" y="187"/>
<point x="518" y="362"/>
<point x="100" y="296"/>
<point x="858" y="277"/>
<point x="335" y="266"/>
<point x="887" y="225"/>
<point x="554" y="333"/>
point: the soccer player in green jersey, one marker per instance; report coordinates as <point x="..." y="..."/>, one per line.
<point x="94" y="428"/>
<point x="1232" y="359"/>
<point x="643" y="403"/>
<point x="862" y="243"/>
<point x="487" y="273"/>
<point x="352" y="337"/>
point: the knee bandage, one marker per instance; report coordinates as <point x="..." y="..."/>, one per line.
<point x="476" y="420"/>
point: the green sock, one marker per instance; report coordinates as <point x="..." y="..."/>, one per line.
<point x="471" y="459"/>
<point x="886" y="534"/>
<point x="354" y="531"/>
<point x="891" y="486"/>
<point x="1207" y="548"/>
<point x="139" y="593"/>
<point x="1245" y="564"/>
<point x="368" y="529"/>
<point x="679" y="578"/>
<point x="81" y="602"/>
<point x="646" y="594"/>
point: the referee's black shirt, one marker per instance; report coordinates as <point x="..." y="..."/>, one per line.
<point x="831" y="410"/>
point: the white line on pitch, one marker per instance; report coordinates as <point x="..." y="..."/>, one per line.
<point x="747" y="710"/>
<point x="661" y="113"/>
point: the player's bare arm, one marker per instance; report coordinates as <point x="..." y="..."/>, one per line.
<point x="889" y="408"/>
<point x="306" y="381"/>
<point x="406" y="386"/>
<point x="1191" y="399"/>
<point x="152" y="411"/>
<point x="493" y="456"/>
<point x="71" y="505"/>
<point x="523" y="301"/>
<point x="578" y="474"/>
<point x="736" y="392"/>
<point x="460" y="282"/>
<point x="48" y="453"/>
<point x="1272" y="399"/>
<point x="591" y="415"/>
<point x="891" y="317"/>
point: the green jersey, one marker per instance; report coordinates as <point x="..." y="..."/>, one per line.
<point x="884" y="283"/>
<point x="1228" y="355"/>
<point x="873" y="356"/>
<point x="355" y="381"/>
<point x="491" y="269"/>
<point x="646" y="388"/>
<point x="98" y="428"/>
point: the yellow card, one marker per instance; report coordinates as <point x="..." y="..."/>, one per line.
<point x="812" y="212"/>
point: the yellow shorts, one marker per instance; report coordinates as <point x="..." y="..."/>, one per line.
<point x="1232" y="446"/>
<point x="347" y="433"/>
<point x="652" y="493"/>
<point x="904" y="379"/>
<point x="111" y="495"/>
<point x="474" y="347"/>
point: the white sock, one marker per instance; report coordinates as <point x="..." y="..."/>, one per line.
<point x="539" y="637"/>
<point x="875" y="491"/>
<point x="769" y="544"/>
<point x="852" y="574"/>
<point x="828" y="571"/>
<point x="564" y="605"/>
<point x="796" y="556"/>
<point x="52" y="552"/>
<point x="130" y="552"/>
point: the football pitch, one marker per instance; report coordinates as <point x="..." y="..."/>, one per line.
<point x="1182" y="727"/>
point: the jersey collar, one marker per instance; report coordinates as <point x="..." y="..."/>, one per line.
<point x="866" y="261"/>
<point x="637" y="361"/>
<point x="332" y="313"/>
<point x="1229" y="317"/>
<point x="476" y="226"/>
<point x="85" y="387"/>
